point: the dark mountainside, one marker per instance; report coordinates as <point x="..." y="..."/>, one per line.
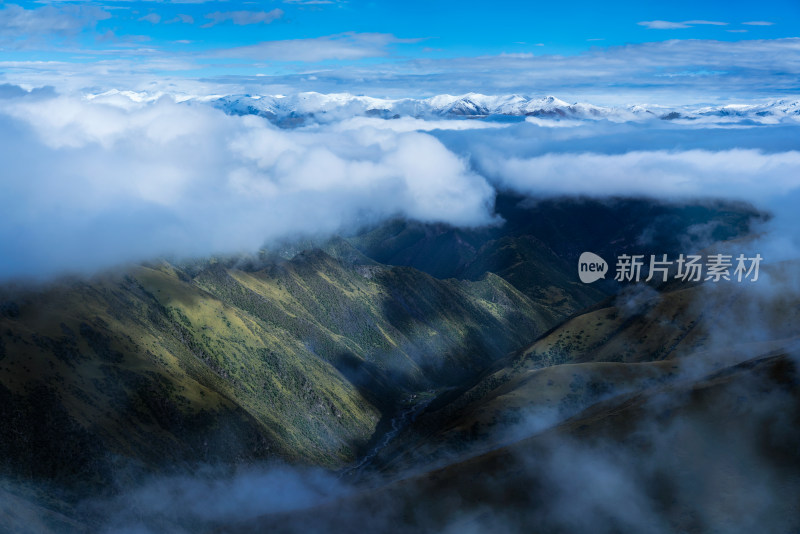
<point x="432" y="368"/>
<point x="617" y="420"/>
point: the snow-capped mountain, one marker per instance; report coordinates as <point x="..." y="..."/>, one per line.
<point x="309" y="107"/>
<point x="471" y="105"/>
<point x="320" y="108"/>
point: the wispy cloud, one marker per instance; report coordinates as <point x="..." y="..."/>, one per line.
<point x="758" y="23"/>
<point x="153" y="18"/>
<point x="25" y="27"/>
<point x="705" y="22"/>
<point x="741" y="174"/>
<point x="651" y="71"/>
<point x="662" y="25"/>
<point x="345" y="46"/>
<point x="185" y="19"/>
<point x="668" y="72"/>
<point x="667" y="25"/>
<point x="243" y="18"/>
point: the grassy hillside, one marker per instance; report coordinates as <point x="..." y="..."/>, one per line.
<point x="300" y="360"/>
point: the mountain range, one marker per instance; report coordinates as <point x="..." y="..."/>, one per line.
<point x="446" y="378"/>
<point x="298" y="108"/>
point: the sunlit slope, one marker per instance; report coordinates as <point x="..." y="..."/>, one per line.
<point x="641" y="324"/>
<point x="297" y="360"/>
<point x="399" y="321"/>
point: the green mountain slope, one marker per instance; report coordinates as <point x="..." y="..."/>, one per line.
<point x="299" y="360"/>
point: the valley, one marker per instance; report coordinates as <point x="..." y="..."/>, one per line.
<point x="423" y="367"/>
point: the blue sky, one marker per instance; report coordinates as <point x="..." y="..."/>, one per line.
<point x="443" y="28"/>
<point x="391" y="48"/>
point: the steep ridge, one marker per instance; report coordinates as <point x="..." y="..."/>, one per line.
<point x="216" y="362"/>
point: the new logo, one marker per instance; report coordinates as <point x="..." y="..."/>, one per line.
<point x="591" y="267"/>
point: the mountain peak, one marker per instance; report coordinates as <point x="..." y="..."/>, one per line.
<point x="298" y="108"/>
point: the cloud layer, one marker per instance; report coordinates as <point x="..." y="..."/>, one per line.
<point x="20" y="27"/>
<point x="89" y="184"/>
<point x="346" y="46"/>
<point x="749" y="175"/>
<point x="673" y="72"/>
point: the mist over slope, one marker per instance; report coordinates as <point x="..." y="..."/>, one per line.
<point x="92" y="183"/>
<point x="715" y="454"/>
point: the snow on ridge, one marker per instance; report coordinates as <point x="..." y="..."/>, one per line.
<point x="303" y="107"/>
<point x="444" y="105"/>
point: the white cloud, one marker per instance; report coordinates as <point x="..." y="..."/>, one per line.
<point x="90" y="184"/>
<point x="345" y="46"/>
<point x="767" y="68"/>
<point x="153" y="18"/>
<point x="185" y="19"/>
<point x="34" y="25"/>
<point x="647" y="72"/>
<point x="749" y="175"/>
<point x="243" y="18"/>
<point x="667" y="25"/>
<point x="662" y="25"/>
<point x="706" y="22"/>
<point x="410" y="124"/>
<point x="758" y="23"/>
<point x="87" y="184"/>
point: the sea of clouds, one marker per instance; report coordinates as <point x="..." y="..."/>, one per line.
<point x="90" y="184"/>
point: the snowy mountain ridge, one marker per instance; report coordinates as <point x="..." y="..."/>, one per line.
<point x="300" y="108"/>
